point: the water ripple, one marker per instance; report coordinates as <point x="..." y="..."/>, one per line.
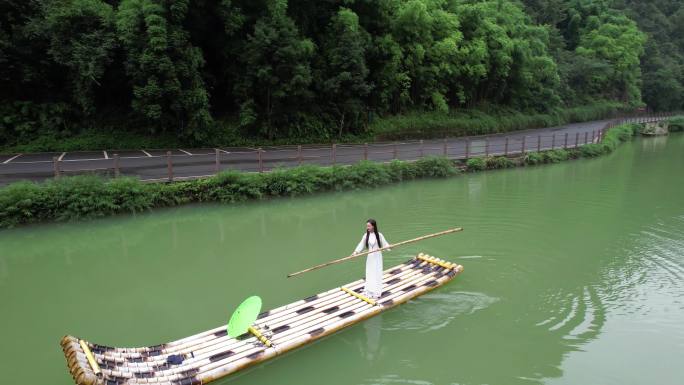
<point x="436" y="310"/>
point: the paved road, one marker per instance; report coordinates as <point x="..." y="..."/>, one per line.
<point x="153" y="165"/>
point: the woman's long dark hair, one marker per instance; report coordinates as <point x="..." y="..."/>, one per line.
<point x="375" y="230"/>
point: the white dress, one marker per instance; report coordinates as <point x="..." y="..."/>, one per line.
<point x="373" y="264"/>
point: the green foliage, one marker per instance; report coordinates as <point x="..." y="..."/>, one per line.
<point x="81" y="38"/>
<point x="476" y="164"/>
<point x="498" y="162"/>
<point x="312" y="71"/>
<point x="435" y="167"/>
<point x="168" y="90"/>
<point x="505" y="58"/>
<point x="344" y="83"/>
<point x="611" y="140"/>
<point x="663" y="61"/>
<point x="477" y="122"/>
<point x="533" y="158"/>
<point x="21" y="122"/>
<point x="617" y="41"/>
<point x="277" y="73"/>
<point x="676" y="124"/>
<point x="85" y="197"/>
<point x="555" y="156"/>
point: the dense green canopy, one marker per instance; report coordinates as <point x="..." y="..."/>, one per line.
<point x="319" y="68"/>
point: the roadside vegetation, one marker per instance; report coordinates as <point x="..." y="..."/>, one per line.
<point x="87" y="197"/>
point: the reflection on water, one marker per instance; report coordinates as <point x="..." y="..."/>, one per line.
<point x="394" y="379"/>
<point x="653" y="143"/>
<point x="373" y="329"/>
<point x="434" y="311"/>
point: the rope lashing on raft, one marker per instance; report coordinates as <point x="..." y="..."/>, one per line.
<point x="260" y="336"/>
<point x="359" y="296"/>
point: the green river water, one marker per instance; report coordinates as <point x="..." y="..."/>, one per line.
<point x="573" y="275"/>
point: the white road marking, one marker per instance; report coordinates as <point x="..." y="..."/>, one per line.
<point x="227" y="152"/>
<point x="146" y="153"/>
<point x="180" y="149"/>
<point x="11" y="159"/>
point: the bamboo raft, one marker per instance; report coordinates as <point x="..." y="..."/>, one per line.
<point x="207" y="356"/>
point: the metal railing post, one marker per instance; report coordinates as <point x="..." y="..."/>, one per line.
<point x="538" y="143"/>
<point x="565" y="144"/>
<point x="261" y="160"/>
<point x="506" y="147"/>
<point x="169" y="166"/>
<point x="117" y="171"/>
<point x="365" y="151"/>
<point x="299" y="155"/>
<point x="55" y="161"/>
<point x="422" y="153"/>
<point x="467" y="154"/>
<point x="217" y="166"/>
<point x="333" y="154"/>
<point x="522" y="149"/>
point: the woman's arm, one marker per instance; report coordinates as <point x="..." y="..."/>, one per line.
<point x="361" y="245"/>
<point x="384" y="241"/>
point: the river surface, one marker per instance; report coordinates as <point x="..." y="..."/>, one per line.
<point x="574" y="274"/>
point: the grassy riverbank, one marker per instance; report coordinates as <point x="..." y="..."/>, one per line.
<point x="427" y="125"/>
<point x="85" y="197"/>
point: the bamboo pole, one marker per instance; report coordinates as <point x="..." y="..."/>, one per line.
<point x="373" y="251"/>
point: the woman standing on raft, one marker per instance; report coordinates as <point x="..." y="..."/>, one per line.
<point x="372" y="240"/>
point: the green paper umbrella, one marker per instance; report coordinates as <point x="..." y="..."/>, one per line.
<point x="244" y="316"/>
